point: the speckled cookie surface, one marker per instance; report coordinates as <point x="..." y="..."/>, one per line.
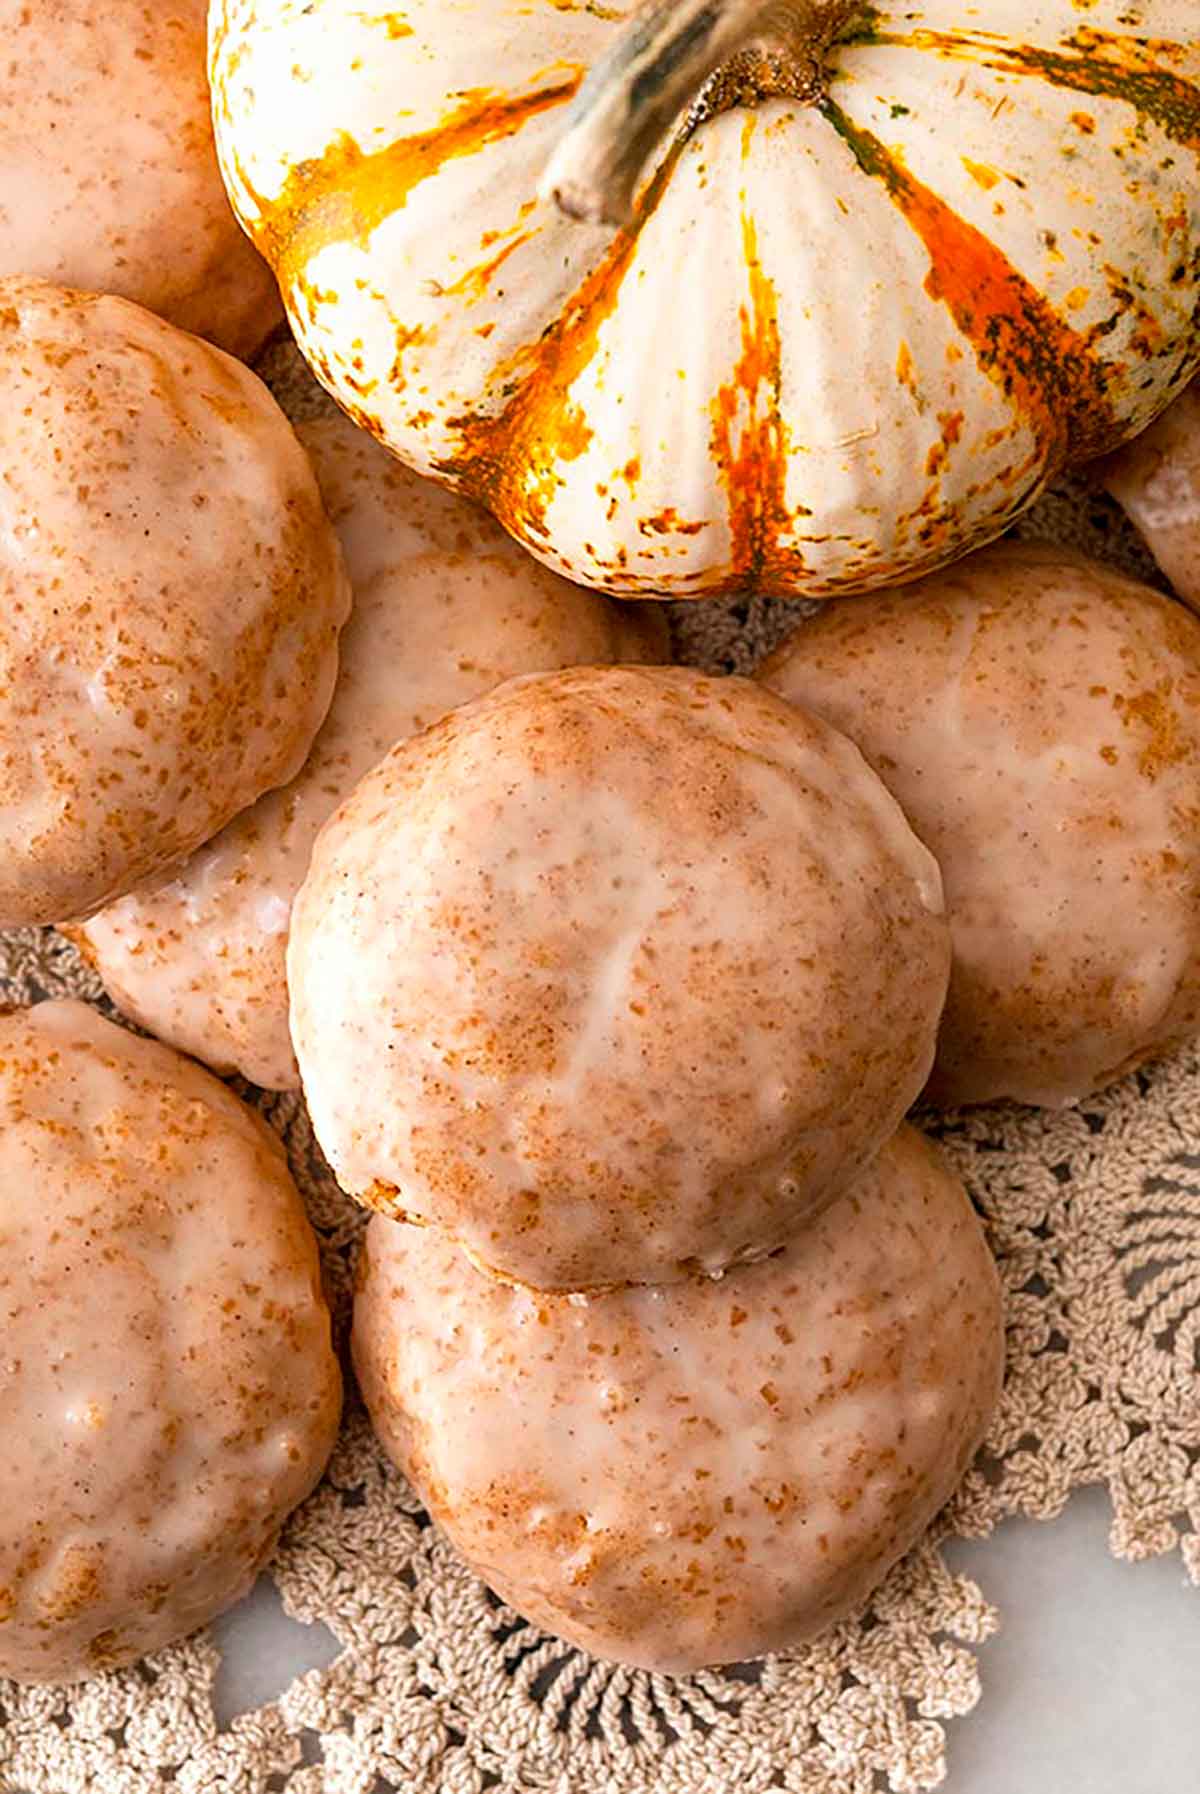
<point x="1038" y="717"/>
<point x="615" y="972"/>
<point x="445" y="607"/>
<point x="170" y="596"/>
<point x="708" y="1471"/>
<point x="169" y="1391"/>
<point x="1156" y="481"/>
<point x="108" y="173"/>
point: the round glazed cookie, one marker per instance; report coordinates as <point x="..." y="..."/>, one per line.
<point x="1038" y="717"/>
<point x="703" y="1472"/>
<point x="614" y="973"/>
<point x="170" y="1392"/>
<point x="445" y="606"/>
<point x="170" y="596"/>
<point x="1156" y="481"/>
<point x="108" y="173"/>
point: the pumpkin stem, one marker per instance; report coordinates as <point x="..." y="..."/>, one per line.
<point x="655" y="70"/>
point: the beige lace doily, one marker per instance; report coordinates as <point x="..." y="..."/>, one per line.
<point x="439" y="1689"/>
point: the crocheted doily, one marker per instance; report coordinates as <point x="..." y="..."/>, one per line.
<point x="1094" y="1215"/>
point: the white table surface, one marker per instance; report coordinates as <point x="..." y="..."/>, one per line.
<point x="1092" y="1685"/>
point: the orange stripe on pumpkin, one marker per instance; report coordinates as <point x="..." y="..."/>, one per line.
<point x="476" y="281"/>
<point x="342" y="195"/>
<point x="749" y="438"/>
<point x="508" y="459"/>
<point x="1042" y="365"/>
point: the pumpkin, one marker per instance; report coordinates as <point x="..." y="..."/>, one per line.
<point x="882" y="270"/>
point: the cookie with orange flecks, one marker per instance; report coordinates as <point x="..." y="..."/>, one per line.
<point x="170" y="1392"/>
<point x="171" y="592"/>
<point x="615" y="973"/>
<point x="445" y="606"/>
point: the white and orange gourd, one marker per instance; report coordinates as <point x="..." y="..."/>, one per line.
<point x="871" y="275"/>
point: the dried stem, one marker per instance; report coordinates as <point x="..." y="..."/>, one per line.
<point x="653" y="73"/>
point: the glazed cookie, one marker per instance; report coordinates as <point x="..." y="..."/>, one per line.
<point x="108" y="174"/>
<point x="1038" y="717"/>
<point x="445" y="606"/>
<point x="1156" y="481"/>
<point x="705" y="1472"/>
<point x="170" y="596"/>
<point x="170" y="1393"/>
<point x="614" y="973"/>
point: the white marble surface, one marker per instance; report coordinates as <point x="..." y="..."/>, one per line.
<point x="1092" y="1685"/>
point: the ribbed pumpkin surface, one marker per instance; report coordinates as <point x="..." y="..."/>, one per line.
<point x="842" y="341"/>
